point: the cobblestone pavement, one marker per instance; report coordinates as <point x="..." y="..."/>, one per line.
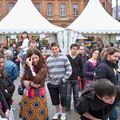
<point x="70" y="115"/>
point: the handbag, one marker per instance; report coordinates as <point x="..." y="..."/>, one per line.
<point x="21" y="89"/>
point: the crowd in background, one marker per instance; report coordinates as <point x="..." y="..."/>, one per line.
<point x="63" y="74"/>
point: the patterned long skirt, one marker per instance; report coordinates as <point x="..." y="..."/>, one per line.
<point x="34" y="108"/>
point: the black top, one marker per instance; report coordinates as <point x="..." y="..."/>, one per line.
<point x="107" y="70"/>
<point x="7" y="88"/>
<point x="77" y="67"/>
<point x="6" y="92"/>
<point x="90" y="103"/>
<point x="3" y="102"/>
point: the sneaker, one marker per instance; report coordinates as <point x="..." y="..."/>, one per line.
<point x="56" y="116"/>
<point x="63" y="116"/>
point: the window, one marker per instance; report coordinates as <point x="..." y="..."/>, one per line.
<point x="10" y="6"/>
<point x="50" y="9"/>
<point x="75" y="9"/>
<point x="62" y="9"/>
<point x="103" y="4"/>
<point x="37" y="5"/>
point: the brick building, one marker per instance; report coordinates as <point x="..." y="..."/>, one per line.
<point x="58" y="12"/>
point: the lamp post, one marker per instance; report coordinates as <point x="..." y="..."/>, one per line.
<point x="116" y="9"/>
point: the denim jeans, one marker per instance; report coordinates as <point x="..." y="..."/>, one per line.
<point x="113" y="114"/>
<point x="72" y="85"/>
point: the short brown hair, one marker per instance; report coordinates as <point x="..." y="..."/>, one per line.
<point x="104" y="87"/>
<point x="54" y="44"/>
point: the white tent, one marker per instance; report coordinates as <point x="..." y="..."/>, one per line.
<point x="94" y="19"/>
<point x="25" y="17"/>
<point x="65" y="39"/>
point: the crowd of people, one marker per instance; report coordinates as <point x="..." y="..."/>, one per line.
<point x="93" y="76"/>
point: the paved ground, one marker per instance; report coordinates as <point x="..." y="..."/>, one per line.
<point x="70" y="115"/>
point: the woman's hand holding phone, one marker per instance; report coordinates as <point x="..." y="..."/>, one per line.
<point x="29" y="62"/>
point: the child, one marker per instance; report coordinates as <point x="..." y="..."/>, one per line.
<point x="97" y="101"/>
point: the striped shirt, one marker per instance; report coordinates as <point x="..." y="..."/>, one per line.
<point x="59" y="68"/>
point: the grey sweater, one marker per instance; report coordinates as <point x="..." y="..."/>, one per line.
<point x="59" y="69"/>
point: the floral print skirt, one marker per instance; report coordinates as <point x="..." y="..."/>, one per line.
<point x="34" y="108"/>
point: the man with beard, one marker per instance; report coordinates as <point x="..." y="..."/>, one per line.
<point x="108" y="69"/>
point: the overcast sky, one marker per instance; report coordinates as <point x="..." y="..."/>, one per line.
<point x="114" y="3"/>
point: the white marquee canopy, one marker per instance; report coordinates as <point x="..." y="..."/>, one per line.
<point x="94" y="19"/>
<point x="25" y="17"/>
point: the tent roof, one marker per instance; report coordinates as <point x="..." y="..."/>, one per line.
<point x="94" y="19"/>
<point x="25" y="17"/>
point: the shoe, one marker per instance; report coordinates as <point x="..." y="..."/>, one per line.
<point x="56" y="116"/>
<point x="63" y="116"/>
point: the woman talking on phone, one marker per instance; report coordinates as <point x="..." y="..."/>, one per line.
<point x="33" y="104"/>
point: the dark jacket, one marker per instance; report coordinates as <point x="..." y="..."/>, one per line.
<point x="89" y="70"/>
<point x="90" y="103"/>
<point x="3" y="102"/>
<point x="107" y="70"/>
<point x="7" y="88"/>
<point x="77" y="67"/>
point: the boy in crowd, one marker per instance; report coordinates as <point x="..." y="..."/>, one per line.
<point x="97" y="101"/>
<point x="73" y="81"/>
<point x="59" y="70"/>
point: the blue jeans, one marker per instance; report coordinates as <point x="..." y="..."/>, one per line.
<point x="72" y="85"/>
<point x="113" y="114"/>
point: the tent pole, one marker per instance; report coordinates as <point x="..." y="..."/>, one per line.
<point x="68" y="35"/>
<point x="109" y="37"/>
<point x="116" y="9"/>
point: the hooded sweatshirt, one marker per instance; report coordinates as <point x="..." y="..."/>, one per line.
<point x="90" y="103"/>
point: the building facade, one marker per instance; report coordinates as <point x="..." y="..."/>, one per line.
<point x="116" y="15"/>
<point x="58" y="12"/>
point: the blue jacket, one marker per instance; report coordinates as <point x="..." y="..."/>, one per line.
<point x="11" y="70"/>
